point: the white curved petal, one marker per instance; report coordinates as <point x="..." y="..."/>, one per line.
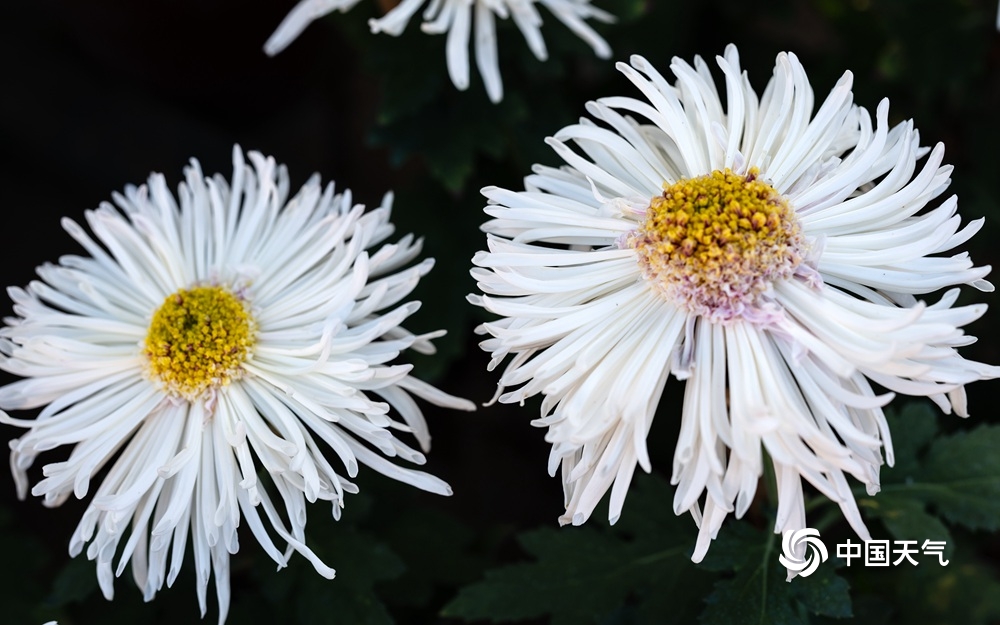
<point x="584" y="326"/>
<point x="457" y="18"/>
<point x="326" y="292"/>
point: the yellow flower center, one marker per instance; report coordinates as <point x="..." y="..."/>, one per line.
<point x="715" y="244"/>
<point x="198" y="339"/>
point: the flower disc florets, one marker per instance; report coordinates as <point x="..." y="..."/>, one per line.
<point x="714" y="244"/>
<point x="198" y="339"/>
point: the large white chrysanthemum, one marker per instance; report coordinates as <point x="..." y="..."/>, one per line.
<point x="456" y="17"/>
<point x="202" y="342"/>
<point x="766" y="253"/>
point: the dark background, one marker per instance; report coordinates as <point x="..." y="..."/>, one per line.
<point x="96" y="95"/>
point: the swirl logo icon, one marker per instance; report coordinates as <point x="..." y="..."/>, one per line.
<point x="802" y="551"/>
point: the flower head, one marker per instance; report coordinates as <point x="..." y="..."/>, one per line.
<point x="457" y="18"/>
<point x="206" y="338"/>
<point x="768" y="255"/>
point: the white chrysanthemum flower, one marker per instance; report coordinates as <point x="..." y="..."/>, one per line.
<point x="199" y="343"/>
<point x="768" y="255"/>
<point x="456" y="17"/>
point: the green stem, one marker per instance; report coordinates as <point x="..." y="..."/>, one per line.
<point x="765" y="561"/>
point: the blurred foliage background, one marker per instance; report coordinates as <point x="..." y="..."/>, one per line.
<point x="98" y="94"/>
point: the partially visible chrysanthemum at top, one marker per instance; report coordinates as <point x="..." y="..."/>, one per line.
<point x="207" y="339"/>
<point x="769" y="254"/>
<point x="459" y="18"/>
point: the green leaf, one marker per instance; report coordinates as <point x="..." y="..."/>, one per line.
<point x="575" y="577"/>
<point x="961" y="477"/>
<point x="965" y="591"/>
<point x="747" y="598"/>
<point x="434" y="547"/>
<point x="913" y="427"/>
<point x="958" y="477"/>
<point x="823" y="593"/>
<point x="350" y="598"/>
<point x="362" y="562"/>
<point x="759" y="592"/>
<point x="475" y="127"/>
<point x="339" y="604"/>
<point x="736" y="546"/>
<point x="906" y="519"/>
<point x="587" y="574"/>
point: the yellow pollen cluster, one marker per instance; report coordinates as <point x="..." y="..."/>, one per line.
<point x="198" y="339"/>
<point x="714" y="243"/>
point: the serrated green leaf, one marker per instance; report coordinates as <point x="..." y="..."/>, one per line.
<point x="361" y="561"/>
<point x="579" y="576"/>
<point x="912" y="428"/>
<point x="958" y="476"/>
<point x="823" y="593"/>
<point x="340" y="604"/>
<point x="755" y="596"/>
<point x="965" y="592"/>
<point x="759" y="594"/>
<point x="475" y="127"/>
<point x="350" y="598"/>
<point x="907" y="519"/>
<point x="866" y="610"/>
<point x="736" y="545"/>
<point x="588" y="574"/>
<point x="434" y="547"/>
<point x="961" y="477"/>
